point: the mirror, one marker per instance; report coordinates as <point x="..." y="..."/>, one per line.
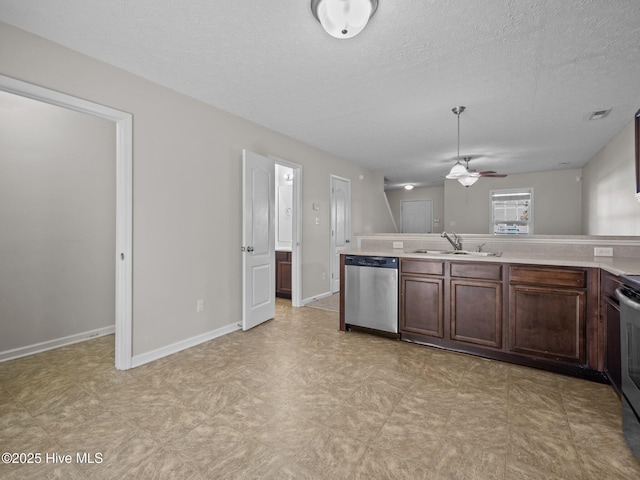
<point x="597" y="199"/>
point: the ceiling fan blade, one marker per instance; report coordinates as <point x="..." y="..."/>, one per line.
<point x="491" y="173"/>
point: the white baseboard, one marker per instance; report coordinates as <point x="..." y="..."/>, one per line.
<point x="159" y="353"/>
<point x="317" y="297"/>
<point x="55" y="343"/>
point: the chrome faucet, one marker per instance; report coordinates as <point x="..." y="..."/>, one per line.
<point x="454" y="243"/>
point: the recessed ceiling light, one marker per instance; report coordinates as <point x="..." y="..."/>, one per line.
<point x="599" y="115"/>
<point x="408" y="187"/>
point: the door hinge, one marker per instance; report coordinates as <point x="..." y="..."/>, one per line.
<point x="122" y="256"/>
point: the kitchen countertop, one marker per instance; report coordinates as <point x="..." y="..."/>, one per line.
<point x="614" y="265"/>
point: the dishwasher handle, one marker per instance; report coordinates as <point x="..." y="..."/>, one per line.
<point x="374" y="262"/>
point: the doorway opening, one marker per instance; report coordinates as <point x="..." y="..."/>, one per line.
<point x="259" y="234"/>
<point x="288" y="191"/>
<point x="123" y="211"/>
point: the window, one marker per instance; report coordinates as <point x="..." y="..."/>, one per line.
<point x="511" y="211"/>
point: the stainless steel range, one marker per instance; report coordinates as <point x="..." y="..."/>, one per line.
<point x="629" y="296"/>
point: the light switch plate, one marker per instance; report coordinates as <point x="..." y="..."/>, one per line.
<point x="200" y="306"/>
<point x="398" y="245"/>
<point x="603" y="252"/>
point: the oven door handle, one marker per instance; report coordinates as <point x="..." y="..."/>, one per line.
<point x="629" y="298"/>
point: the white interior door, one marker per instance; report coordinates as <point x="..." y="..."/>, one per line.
<point x="417" y="216"/>
<point x="258" y="240"/>
<point x="340" y="225"/>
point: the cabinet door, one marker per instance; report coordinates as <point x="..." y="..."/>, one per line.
<point x="283" y="274"/>
<point x="422" y="305"/>
<point x="476" y="312"/>
<point x="613" y="362"/>
<point x="547" y="322"/>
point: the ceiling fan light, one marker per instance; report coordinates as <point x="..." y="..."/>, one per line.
<point x="458" y="171"/>
<point x="468" y="180"/>
<point x="343" y="18"/>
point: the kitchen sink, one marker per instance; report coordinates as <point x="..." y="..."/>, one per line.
<point x="434" y="252"/>
<point x="458" y="252"/>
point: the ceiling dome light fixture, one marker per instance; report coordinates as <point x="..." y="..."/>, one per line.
<point x="408" y="187"/>
<point x="343" y="18"/>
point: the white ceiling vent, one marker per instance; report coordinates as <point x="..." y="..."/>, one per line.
<point x="599" y="115"/>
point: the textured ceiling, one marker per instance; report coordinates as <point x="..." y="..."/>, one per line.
<point x="529" y="72"/>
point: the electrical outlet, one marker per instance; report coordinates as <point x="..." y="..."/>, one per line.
<point x="200" y="305"/>
<point x="398" y="245"/>
<point x="603" y="252"/>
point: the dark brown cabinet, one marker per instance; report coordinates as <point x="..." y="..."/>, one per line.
<point x="422" y="297"/>
<point x="547" y="322"/>
<point x="611" y="321"/>
<point x="547" y="312"/>
<point x="283" y="274"/>
<point x="541" y="316"/>
<point x="476" y="303"/>
<point x="452" y="301"/>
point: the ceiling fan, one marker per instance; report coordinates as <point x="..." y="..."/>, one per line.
<point x="486" y="173"/>
<point x="462" y="173"/>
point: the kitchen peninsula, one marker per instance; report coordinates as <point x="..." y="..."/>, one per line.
<point x="540" y="302"/>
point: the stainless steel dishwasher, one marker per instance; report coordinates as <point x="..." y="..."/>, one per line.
<point x="371" y="293"/>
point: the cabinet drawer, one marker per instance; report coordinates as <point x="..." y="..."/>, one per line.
<point x="609" y="284"/>
<point x="484" y="271"/>
<point x="282" y="256"/>
<point x="561" y="277"/>
<point x="423" y="267"/>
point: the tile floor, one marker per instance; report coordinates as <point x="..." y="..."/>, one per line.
<point x="296" y="399"/>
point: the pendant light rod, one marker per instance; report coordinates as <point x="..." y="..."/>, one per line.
<point x="458" y="110"/>
<point x="458" y="171"/>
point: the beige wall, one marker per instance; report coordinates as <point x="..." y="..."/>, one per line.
<point x="557" y="202"/>
<point x="609" y="187"/>
<point x="186" y="191"/>
<point x="436" y="194"/>
<point x="57" y="217"/>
